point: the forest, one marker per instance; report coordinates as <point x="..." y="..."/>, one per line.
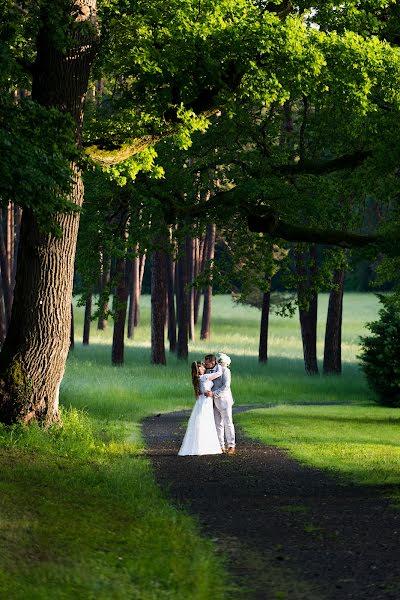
<point x="175" y="175"/>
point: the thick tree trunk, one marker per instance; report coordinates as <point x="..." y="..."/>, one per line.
<point x="32" y="360"/>
<point x="158" y="306"/>
<point x="87" y="319"/>
<point x="308" y="307"/>
<point x="263" y="345"/>
<point x="171" y="303"/>
<point x="206" y="320"/>
<point x="104" y="294"/>
<point x="333" y="332"/>
<point x="181" y="308"/>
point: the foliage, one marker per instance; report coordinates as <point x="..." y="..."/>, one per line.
<point x="380" y="353"/>
<point x="36" y="145"/>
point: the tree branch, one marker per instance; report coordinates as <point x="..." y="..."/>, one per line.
<point x="106" y="153"/>
<point x="323" y="167"/>
<point x="274" y="226"/>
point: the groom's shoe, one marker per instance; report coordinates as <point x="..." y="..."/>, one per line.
<point x="231" y="451"/>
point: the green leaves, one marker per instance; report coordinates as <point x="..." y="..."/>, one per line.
<point x="36" y="145"/>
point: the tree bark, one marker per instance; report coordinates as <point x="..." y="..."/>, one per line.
<point x="72" y="330"/>
<point x="207" y="302"/>
<point x="333" y="331"/>
<point x="3" y="323"/>
<point x="308" y="307"/>
<point x="87" y="319"/>
<point x="263" y="345"/>
<point x="138" y="291"/>
<point x="158" y="306"/>
<point x="181" y="307"/>
<point x="133" y="283"/>
<point x="104" y="294"/>
<point x="18" y="218"/>
<point x="190" y="290"/>
<point x="120" y="303"/>
<point x="171" y="304"/>
<point x="33" y="357"/>
<point x="199" y="270"/>
<point x="5" y="275"/>
<point x="10" y="242"/>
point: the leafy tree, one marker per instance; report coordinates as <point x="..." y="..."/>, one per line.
<point x="380" y="353"/>
<point x="169" y="68"/>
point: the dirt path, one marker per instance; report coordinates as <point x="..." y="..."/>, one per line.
<point x="289" y="531"/>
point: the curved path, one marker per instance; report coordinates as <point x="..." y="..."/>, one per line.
<point x="288" y="531"/>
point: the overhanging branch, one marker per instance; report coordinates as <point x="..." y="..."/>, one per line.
<point x="106" y="153"/>
<point x="294" y="233"/>
<point x="323" y="167"/>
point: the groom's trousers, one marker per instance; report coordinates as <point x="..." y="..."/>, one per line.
<point x="224" y="422"/>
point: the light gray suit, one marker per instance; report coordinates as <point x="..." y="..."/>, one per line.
<point x="223" y="402"/>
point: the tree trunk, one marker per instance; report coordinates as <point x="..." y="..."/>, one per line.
<point x="33" y="357"/>
<point x="133" y="293"/>
<point x="171" y="304"/>
<point x="199" y="270"/>
<point x="5" y="274"/>
<point x="87" y="319"/>
<point x="10" y="242"/>
<point x="206" y="320"/>
<point x="333" y="332"/>
<point x="190" y="289"/>
<point x="139" y="290"/>
<point x="308" y="307"/>
<point x="181" y="308"/>
<point x="3" y="323"/>
<point x="120" y="302"/>
<point x="158" y="306"/>
<point x="263" y="346"/>
<point x="104" y="294"/>
<point x="18" y="218"/>
<point x="72" y="330"/>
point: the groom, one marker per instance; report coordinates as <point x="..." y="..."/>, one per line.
<point x="223" y="400"/>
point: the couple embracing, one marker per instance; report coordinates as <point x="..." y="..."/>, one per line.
<point x="211" y="420"/>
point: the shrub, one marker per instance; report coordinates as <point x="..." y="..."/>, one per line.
<point x="380" y="353"/>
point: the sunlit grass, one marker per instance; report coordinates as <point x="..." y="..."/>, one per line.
<point x="81" y="517"/>
<point x="360" y="443"/>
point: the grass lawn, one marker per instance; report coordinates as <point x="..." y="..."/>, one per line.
<point x="81" y="516"/>
<point x="361" y="443"/>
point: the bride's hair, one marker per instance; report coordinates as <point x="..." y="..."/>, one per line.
<point x="196" y="377"/>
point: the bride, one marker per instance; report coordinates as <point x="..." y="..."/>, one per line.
<point x="201" y="434"/>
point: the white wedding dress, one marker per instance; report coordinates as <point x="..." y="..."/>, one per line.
<point x="201" y="434"/>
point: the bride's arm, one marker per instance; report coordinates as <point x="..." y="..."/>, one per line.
<point x="214" y="375"/>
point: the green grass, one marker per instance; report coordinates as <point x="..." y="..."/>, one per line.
<point x="360" y="443"/>
<point x="81" y="515"/>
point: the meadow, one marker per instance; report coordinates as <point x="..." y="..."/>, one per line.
<point x="81" y="515"/>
